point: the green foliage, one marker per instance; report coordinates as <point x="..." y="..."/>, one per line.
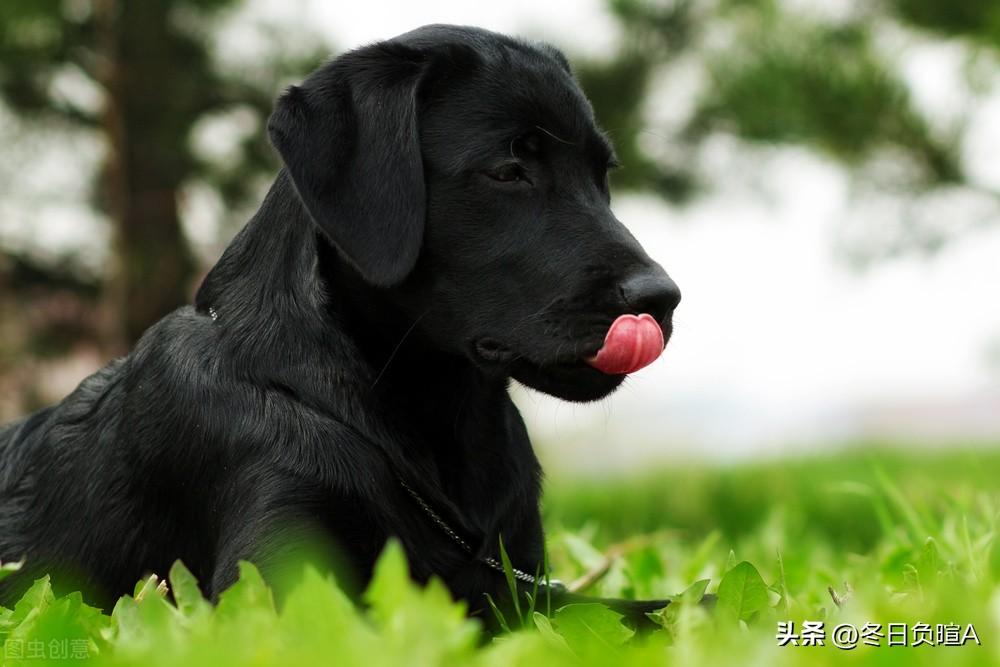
<point x="789" y="80"/>
<point x="150" y="81"/>
<point x="742" y="594"/>
<point x="774" y="76"/>
<point x="656" y="35"/>
<point x="779" y="74"/>
<point x="175" y="79"/>
<point x="975" y="19"/>
<point x="934" y="558"/>
<point x="618" y="89"/>
<point x="39" y="617"/>
<point x="591" y="626"/>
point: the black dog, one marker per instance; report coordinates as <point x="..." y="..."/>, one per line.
<point x="441" y="226"/>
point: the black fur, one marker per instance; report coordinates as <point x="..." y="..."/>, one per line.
<point x="441" y="225"/>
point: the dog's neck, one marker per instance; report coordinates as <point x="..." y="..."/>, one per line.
<point x="293" y="316"/>
<point x="273" y="257"/>
<point x="281" y="286"/>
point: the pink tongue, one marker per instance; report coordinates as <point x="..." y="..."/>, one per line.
<point x="633" y="342"/>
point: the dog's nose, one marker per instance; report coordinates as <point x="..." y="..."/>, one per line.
<point x="651" y="292"/>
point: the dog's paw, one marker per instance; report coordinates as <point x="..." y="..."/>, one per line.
<point x="635" y="613"/>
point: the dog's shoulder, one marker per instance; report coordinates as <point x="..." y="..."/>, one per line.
<point x="40" y="440"/>
<point x="227" y="401"/>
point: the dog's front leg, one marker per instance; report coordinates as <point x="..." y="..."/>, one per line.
<point x="635" y="612"/>
<point x="549" y="599"/>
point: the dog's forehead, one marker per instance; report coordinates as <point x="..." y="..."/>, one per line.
<point x="523" y="95"/>
<point x="513" y="87"/>
<point x="480" y="40"/>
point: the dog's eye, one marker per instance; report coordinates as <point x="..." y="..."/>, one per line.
<point x="508" y="173"/>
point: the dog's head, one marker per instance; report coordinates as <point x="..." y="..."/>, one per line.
<point x="461" y="173"/>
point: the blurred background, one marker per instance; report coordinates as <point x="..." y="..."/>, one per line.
<point x="819" y="176"/>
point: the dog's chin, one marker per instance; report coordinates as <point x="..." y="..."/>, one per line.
<point x="570" y="381"/>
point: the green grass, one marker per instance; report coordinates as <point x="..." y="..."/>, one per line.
<point x="899" y="537"/>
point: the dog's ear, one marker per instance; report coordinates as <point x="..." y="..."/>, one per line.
<point x="349" y="139"/>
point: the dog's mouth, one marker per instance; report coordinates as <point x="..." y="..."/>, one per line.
<point x="632" y="343"/>
<point x="592" y="368"/>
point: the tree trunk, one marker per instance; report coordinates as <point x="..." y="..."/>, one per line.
<point x="147" y="123"/>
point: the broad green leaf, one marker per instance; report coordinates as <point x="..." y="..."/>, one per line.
<point x="390" y="582"/>
<point x="693" y="593"/>
<point x="62" y="621"/>
<point x="318" y="616"/>
<point x="544" y="627"/>
<point x="187" y="594"/>
<point x="742" y="593"/>
<point x="126" y="626"/>
<point x="424" y="625"/>
<point x="690" y="597"/>
<point x="35" y="599"/>
<point x="590" y="625"/>
<point x="317" y="600"/>
<point x="248" y="593"/>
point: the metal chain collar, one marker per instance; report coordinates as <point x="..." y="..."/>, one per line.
<point x="487" y="560"/>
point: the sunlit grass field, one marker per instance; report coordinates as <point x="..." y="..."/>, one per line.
<point x="885" y="547"/>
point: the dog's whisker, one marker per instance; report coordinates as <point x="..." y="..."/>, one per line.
<point x="559" y="139"/>
<point x="398" y="346"/>
<point x="541" y="312"/>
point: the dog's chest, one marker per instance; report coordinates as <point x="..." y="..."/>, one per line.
<point x="479" y="462"/>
